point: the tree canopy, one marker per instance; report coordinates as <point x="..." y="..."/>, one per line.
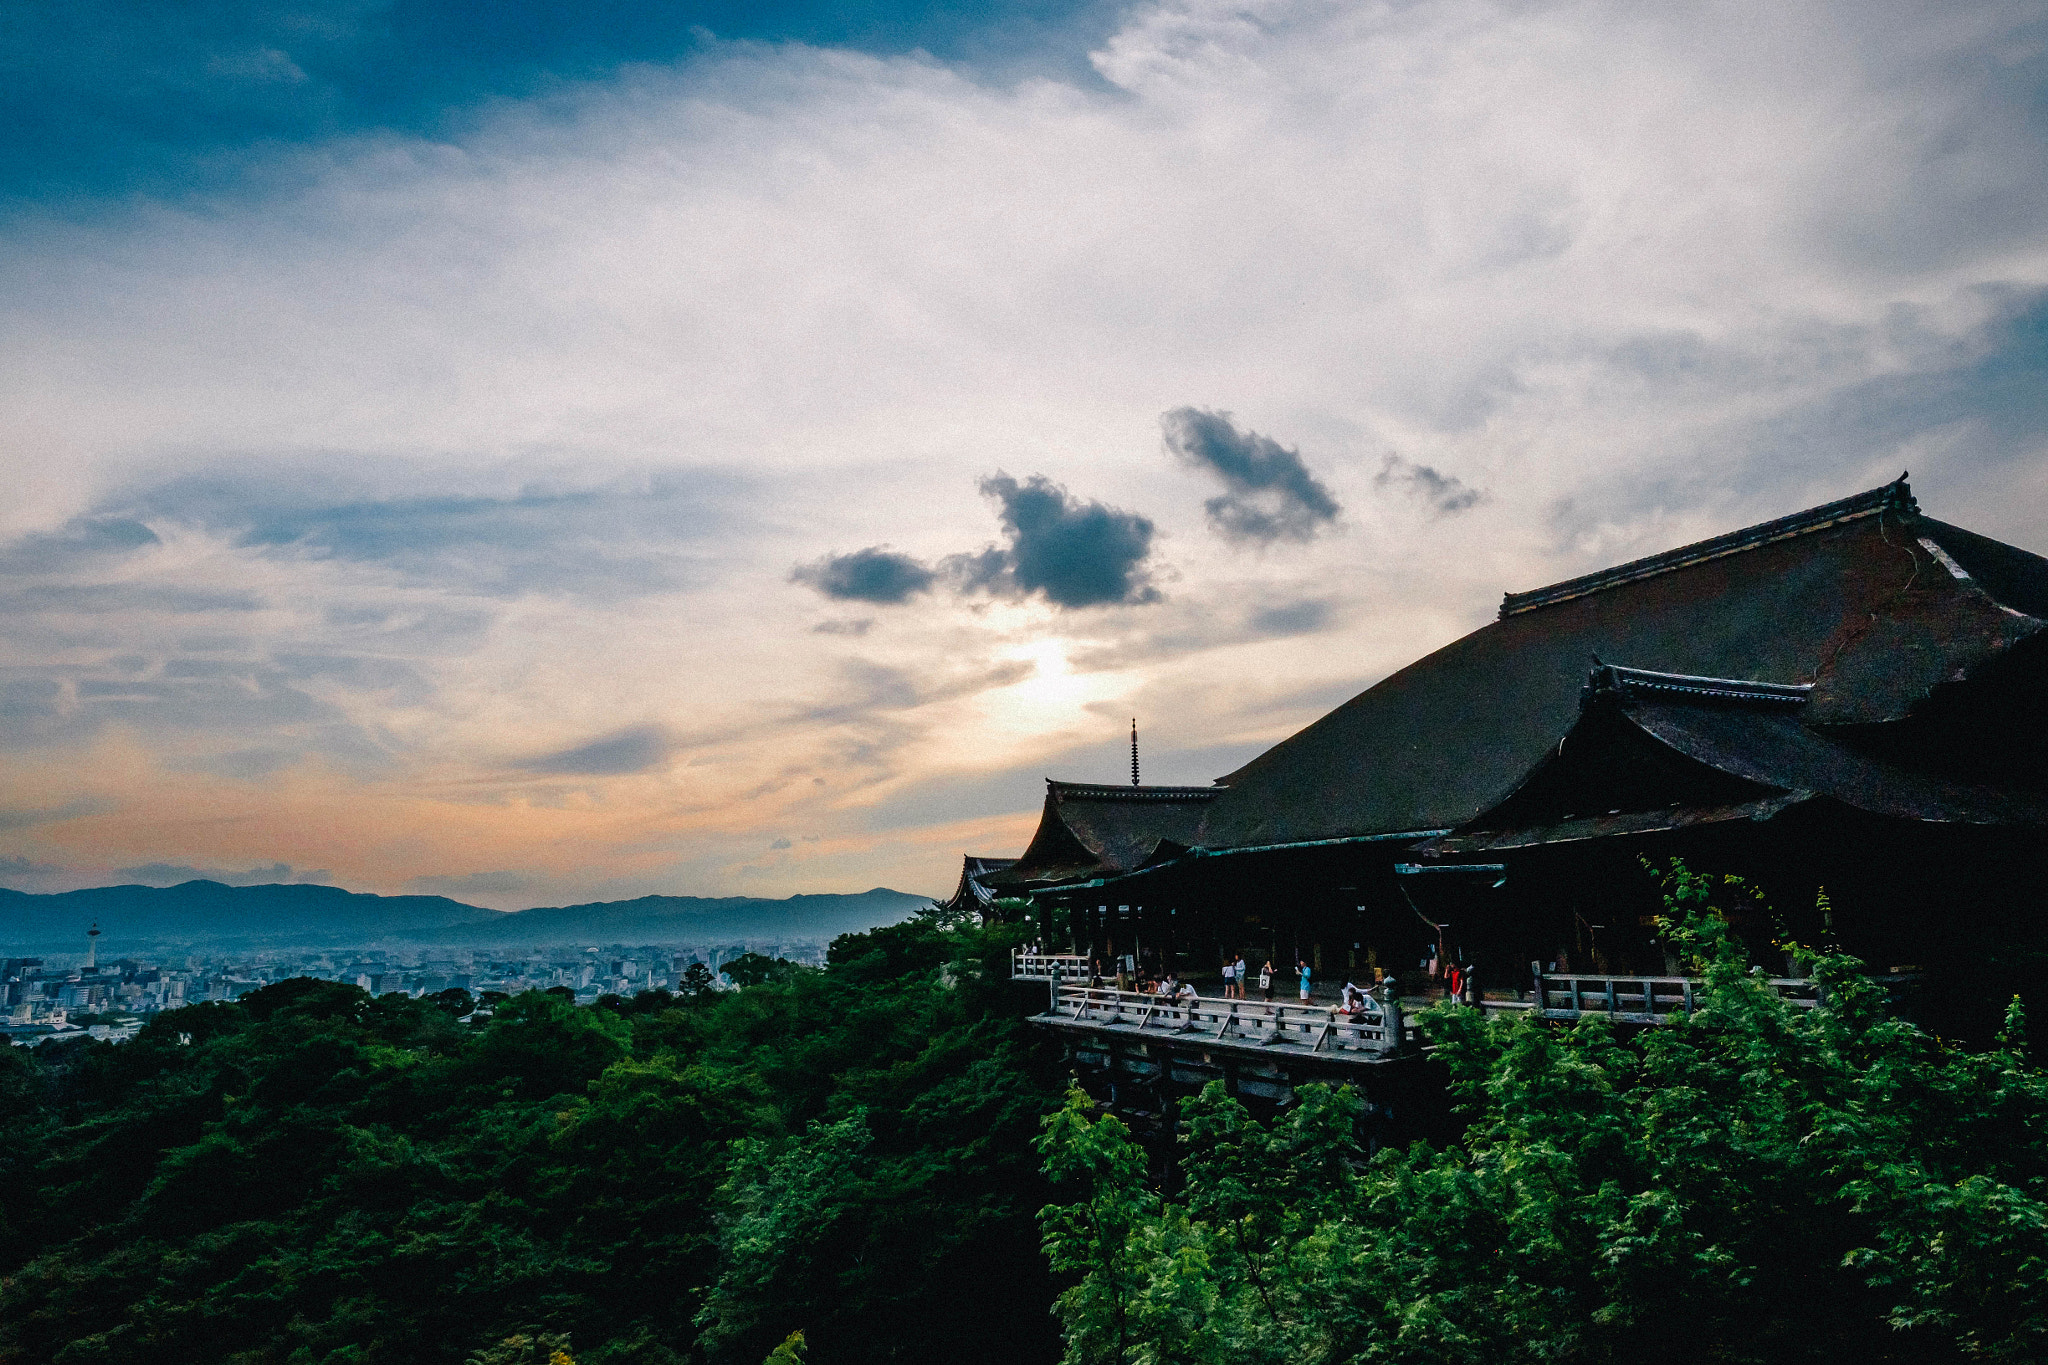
<point x="320" y="1176"/>
<point x="1758" y="1182"/>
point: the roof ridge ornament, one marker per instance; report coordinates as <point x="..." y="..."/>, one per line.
<point x="1641" y="684"/>
<point x="1896" y="496"/>
<point x="1103" y="791"/>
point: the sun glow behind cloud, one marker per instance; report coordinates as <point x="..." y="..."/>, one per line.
<point x="429" y="507"/>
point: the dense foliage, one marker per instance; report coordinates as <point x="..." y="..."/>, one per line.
<point x="313" y="1175"/>
<point x="1758" y="1183"/>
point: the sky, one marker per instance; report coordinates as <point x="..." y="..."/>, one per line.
<point x="539" y="453"/>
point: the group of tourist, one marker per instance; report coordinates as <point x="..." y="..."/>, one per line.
<point x="1236" y="974"/>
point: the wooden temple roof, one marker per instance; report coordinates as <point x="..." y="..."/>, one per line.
<point x="1866" y="605"/>
<point x="1089" y="830"/>
<point x="971" y="894"/>
<point x="1652" y="752"/>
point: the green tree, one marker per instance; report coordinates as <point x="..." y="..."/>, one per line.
<point x="1759" y="1182"/>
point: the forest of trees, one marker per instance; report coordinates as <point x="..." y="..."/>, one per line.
<point x="879" y="1161"/>
<point x="319" y="1176"/>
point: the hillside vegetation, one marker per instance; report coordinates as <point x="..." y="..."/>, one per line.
<point x="873" y="1163"/>
<point x="1757" y="1183"/>
<point x="313" y="1175"/>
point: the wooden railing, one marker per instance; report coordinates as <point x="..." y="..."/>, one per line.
<point x="1636" y="999"/>
<point x="1047" y="966"/>
<point x="1375" y="1030"/>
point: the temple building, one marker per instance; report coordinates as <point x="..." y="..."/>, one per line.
<point x="1849" y="701"/>
<point x="970" y="894"/>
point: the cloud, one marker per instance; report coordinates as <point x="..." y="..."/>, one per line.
<point x="635" y="750"/>
<point x="457" y="886"/>
<point x="596" y="538"/>
<point x="84" y="542"/>
<point x="876" y="574"/>
<point x="854" y="628"/>
<point x="14" y="865"/>
<point x="1272" y="495"/>
<point x="166" y="99"/>
<point x="1199" y="626"/>
<point x="27" y="817"/>
<point x="172" y="874"/>
<point x="1444" y="493"/>
<point x="781" y="844"/>
<point x="1074" y="553"/>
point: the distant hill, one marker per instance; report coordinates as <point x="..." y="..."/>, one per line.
<point x="689" y="919"/>
<point x="209" y="913"/>
<point x="204" y="912"/>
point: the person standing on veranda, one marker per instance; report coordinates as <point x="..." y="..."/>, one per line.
<point x="1304" y="981"/>
<point x="1266" y="979"/>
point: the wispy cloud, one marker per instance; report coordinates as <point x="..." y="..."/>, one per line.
<point x="633" y="750"/>
<point x="1443" y="493"/>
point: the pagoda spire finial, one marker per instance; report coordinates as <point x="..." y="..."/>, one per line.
<point x="1134" y="751"/>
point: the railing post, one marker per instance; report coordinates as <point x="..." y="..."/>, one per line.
<point x="1536" y="974"/>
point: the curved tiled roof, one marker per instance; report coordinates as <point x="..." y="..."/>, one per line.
<point x="1088" y="830"/>
<point x="1865" y="603"/>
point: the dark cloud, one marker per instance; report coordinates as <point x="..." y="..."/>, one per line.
<point x="171" y="874"/>
<point x="876" y="574"/>
<point x="1075" y="553"/>
<point x="1444" y="493"/>
<point x="781" y="844"/>
<point x="1078" y="554"/>
<point x="636" y="750"/>
<point x="1272" y="495"/>
<point x="853" y="628"/>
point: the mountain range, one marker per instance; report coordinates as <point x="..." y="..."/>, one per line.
<point x="198" y="913"/>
